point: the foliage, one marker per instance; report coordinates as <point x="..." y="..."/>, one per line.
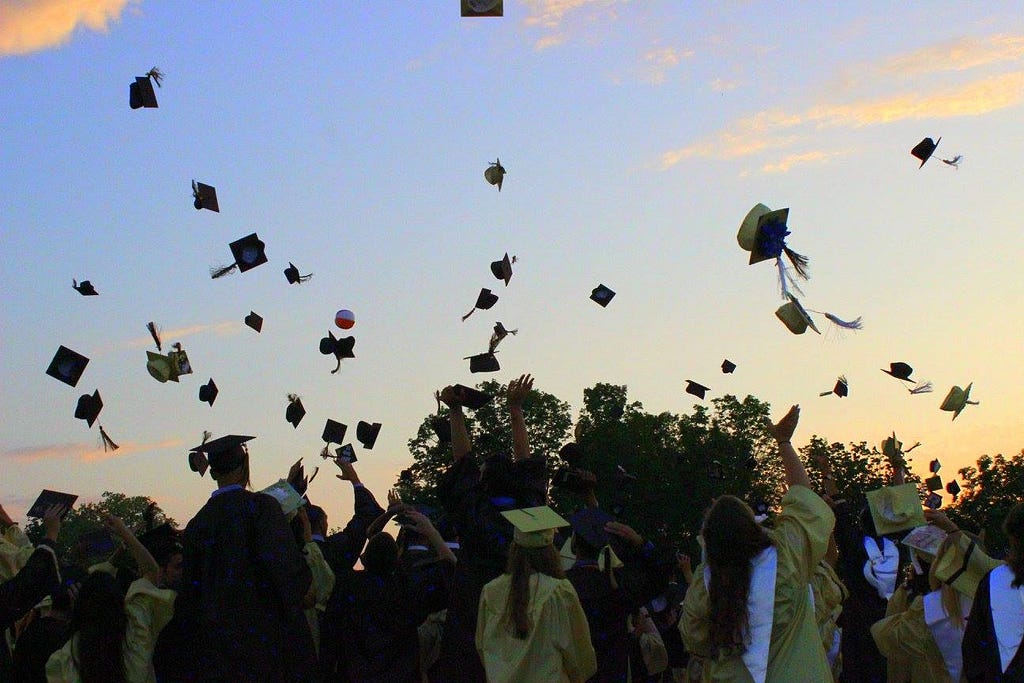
<point x="989" y="490"/>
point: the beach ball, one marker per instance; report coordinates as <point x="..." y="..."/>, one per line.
<point x="345" y="319"/>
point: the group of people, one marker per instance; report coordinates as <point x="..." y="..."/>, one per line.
<point x="496" y="586"/>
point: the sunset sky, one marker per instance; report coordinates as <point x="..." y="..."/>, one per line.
<point x="353" y="136"/>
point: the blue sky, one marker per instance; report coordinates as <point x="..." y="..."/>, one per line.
<point x="352" y="137"/>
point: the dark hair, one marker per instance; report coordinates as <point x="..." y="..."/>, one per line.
<point x="381" y="554"/>
<point x="100" y="623"/>
<point x="1013" y="527"/>
<point x="731" y="540"/>
<point x="522" y="563"/>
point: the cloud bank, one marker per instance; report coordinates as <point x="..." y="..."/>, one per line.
<point x="30" y="25"/>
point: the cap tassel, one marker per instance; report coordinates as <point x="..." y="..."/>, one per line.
<point x="799" y="261"/>
<point x="468" y="314"/>
<point x="855" y="324"/>
<point x="155" y="334"/>
<point x="157" y="75"/>
<point x="304" y="278"/>
<point x="338" y="367"/>
<point x="921" y="388"/>
<point x="954" y="162"/>
<point x="108" y="443"/>
<point x="221" y="271"/>
<point x="826" y="393"/>
<point x="786" y="279"/>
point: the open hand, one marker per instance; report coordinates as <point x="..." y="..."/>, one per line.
<point x="51" y="521"/>
<point x="518" y="389"/>
<point x="783" y="430"/>
<point x="116" y="526"/>
<point x="449" y="397"/>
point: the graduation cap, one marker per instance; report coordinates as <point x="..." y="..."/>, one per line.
<point x="249" y="252"/>
<point x="924" y="149"/>
<point x="141" y="93"/>
<point x="953" y="489"/>
<point x="483" y="8"/>
<point x="696" y="389"/>
<point x="534" y="527"/>
<point x="89" y="407"/>
<point x="170" y="366"/>
<point x="588" y="525"/>
<point x="484" y="301"/>
<point x="205" y="197"/>
<point x="602" y="296"/>
<point x="841" y="389"/>
<point x="346" y="454"/>
<point x="49" y="498"/>
<point x="895" y="508"/>
<point x="471" y="398"/>
<point x="728" y="366"/>
<point x="795" y="317"/>
<point x="67" y="366"/>
<point x="933" y="483"/>
<point x="933" y="501"/>
<point x="900" y="370"/>
<point x="208" y="392"/>
<point x="340" y="348"/>
<point x="295" y="411"/>
<point x="291" y="273"/>
<point x="222" y="454"/>
<point x="763" y="233"/>
<point x="495" y="173"/>
<point x="497" y="335"/>
<point x="483" y="362"/>
<point x="161" y="541"/>
<point x="255" y="321"/>
<point x="367" y="433"/>
<point x="957" y="399"/>
<point x="334" y="432"/>
<point x="503" y="269"/>
<point x="85" y="289"/>
<point x="934" y="466"/>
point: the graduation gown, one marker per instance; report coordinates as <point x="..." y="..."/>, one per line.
<point x="244" y="580"/>
<point x="557" y="648"/>
<point x="982" y="660"/>
<point x="795" y="653"/>
<point x="37" y="642"/>
<point x="829" y="594"/>
<point x="15" y="549"/>
<point x="341" y="550"/>
<point x="32" y="583"/>
<point x="907" y="639"/>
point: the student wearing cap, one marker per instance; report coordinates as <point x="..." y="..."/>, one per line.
<point x="113" y="633"/>
<point x="244" y="581"/>
<point x="531" y="626"/>
<point x="992" y="641"/>
<point x="749" y="613"/>
<point x="474" y="496"/>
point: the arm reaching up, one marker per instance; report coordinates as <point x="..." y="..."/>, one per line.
<point x="796" y="475"/>
<point x="518" y="390"/>
<point x="461" y="445"/>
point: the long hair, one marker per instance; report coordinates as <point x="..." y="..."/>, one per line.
<point x="1013" y="527"/>
<point x="99" y="622"/>
<point x="522" y="563"/>
<point x="731" y="539"/>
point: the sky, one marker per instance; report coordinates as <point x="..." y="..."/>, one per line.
<point x="352" y="138"/>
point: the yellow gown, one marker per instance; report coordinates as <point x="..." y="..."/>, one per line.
<point x="829" y="594"/>
<point x="148" y="609"/>
<point x="907" y="643"/>
<point x="795" y="654"/>
<point x="557" y="649"/>
<point x="15" y="549"/>
<point x="323" y="585"/>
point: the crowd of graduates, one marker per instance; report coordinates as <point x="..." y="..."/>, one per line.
<point x="496" y="586"/>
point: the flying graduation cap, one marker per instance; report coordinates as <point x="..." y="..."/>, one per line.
<point x="497" y="335"/>
<point x="728" y="367"/>
<point x="957" y="399"/>
<point x="483" y="8"/>
<point x="205" y="197"/>
<point x="483" y="362"/>
<point x="255" y="321"/>
<point x="797" y="319"/>
<point x="366" y="433"/>
<point x="696" y="389"/>
<point x="291" y="273"/>
<point x="763" y="233"/>
<point x="484" y="301"/>
<point x="248" y="251"/>
<point x="502" y="269"/>
<point x="67" y="366"/>
<point x="841" y="389"/>
<point x="295" y="411"/>
<point x="602" y="296"/>
<point x="340" y="348"/>
<point x="902" y="371"/>
<point x="85" y="289"/>
<point x="926" y="148"/>
<point x="208" y="392"/>
<point x="89" y="407"/>
<point x="495" y="174"/>
<point x="141" y="93"/>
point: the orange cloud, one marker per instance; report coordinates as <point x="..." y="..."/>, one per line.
<point x="85" y="452"/>
<point x="788" y="162"/>
<point x="955" y="55"/>
<point x="30" y="25"/>
<point x="550" y="15"/>
<point x="221" y="329"/>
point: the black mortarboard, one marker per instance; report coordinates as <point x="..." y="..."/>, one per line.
<point x="225" y="453"/>
<point x="483" y="362"/>
<point x="208" y="392"/>
<point x="933" y="483"/>
<point x="934" y="466"/>
<point x="295" y="411"/>
<point x="841" y="389"/>
<point x="291" y="273"/>
<point x="366" y="433"/>
<point x="588" y="524"/>
<point x="695" y="389"/>
<point x="442" y="428"/>
<point x="205" y="197"/>
<point x="933" y="501"/>
<point x="85" y="288"/>
<point x="484" y="301"/>
<point x="67" y="366"/>
<point x="601" y="295"/>
<point x="248" y="251"/>
<point x="340" y="348"/>
<point x="48" y="498"/>
<point x="472" y="398"/>
<point x="900" y="370"/>
<point x="924" y="149"/>
<point x="254" y="320"/>
<point x="347" y="453"/>
<point x="728" y="366"/>
<point x="483" y="8"/>
<point x="495" y="173"/>
<point x="197" y="462"/>
<point x="953" y="489"/>
<point x="334" y="432"/>
<point x="503" y="269"/>
<point x="89" y="407"/>
<point x="141" y="93"/>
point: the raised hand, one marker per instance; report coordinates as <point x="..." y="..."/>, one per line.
<point x="518" y="389"/>
<point x="784" y="428"/>
<point x="116" y="526"/>
<point x="348" y="472"/>
<point x="51" y="521"/>
<point x="449" y="396"/>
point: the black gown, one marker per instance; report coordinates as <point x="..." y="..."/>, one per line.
<point x="980" y="647"/>
<point x="241" y="597"/>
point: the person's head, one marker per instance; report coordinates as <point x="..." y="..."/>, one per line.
<point x="317" y="520"/>
<point x="171" y="570"/>
<point x="99" y="621"/>
<point x="233" y="467"/>
<point x="1013" y="527"/>
<point x="732" y="538"/>
<point x="583" y="550"/>
<point x="522" y="563"/>
<point x="381" y="555"/>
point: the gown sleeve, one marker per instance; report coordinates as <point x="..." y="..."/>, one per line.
<point x="570" y="633"/>
<point x="31" y="584"/>
<point x="693" y="624"/>
<point x="804" y="526"/>
<point x="60" y="667"/>
<point x="278" y="553"/>
<point x="15" y="549"/>
<point x="323" y="577"/>
<point x="148" y="609"/>
<point x="902" y="636"/>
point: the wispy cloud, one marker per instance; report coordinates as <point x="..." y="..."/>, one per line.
<point x="551" y="17"/>
<point x="84" y="452"/>
<point x="955" y="55"/>
<point x="30" y="25"/>
<point x="221" y="329"/>
<point x="791" y="160"/>
<point x="657" y="62"/>
<point x="722" y="85"/>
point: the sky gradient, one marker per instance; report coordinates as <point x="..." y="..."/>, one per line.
<point x="352" y="137"/>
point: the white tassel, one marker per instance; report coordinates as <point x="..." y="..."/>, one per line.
<point x="849" y="325"/>
<point x="921" y="388"/>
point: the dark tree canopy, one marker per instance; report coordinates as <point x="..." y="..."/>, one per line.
<point x="989" y="490"/>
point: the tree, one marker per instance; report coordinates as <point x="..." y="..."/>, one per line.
<point x="989" y="490"/>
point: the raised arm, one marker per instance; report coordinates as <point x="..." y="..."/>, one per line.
<point x="796" y="475"/>
<point x="421" y="525"/>
<point x="518" y="389"/>
<point x="461" y="445"/>
<point x="148" y="567"/>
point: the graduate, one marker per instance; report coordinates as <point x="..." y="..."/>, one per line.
<point x="749" y="613"/>
<point x="244" y="581"/>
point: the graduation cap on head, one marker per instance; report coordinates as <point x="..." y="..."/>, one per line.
<point x="334" y="432"/>
<point x="602" y="295"/>
<point x="957" y="399"/>
<point x="295" y="411"/>
<point x="495" y="173"/>
<point x="222" y="454"/>
<point x="924" y="149"/>
<point x="763" y="233"/>
<point x="48" y="499"/>
<point x="205" y="197"/>
<point x="483" y="362"/>
<point x="161" y="541"/>
<point x="728" y="366"/>
<point x="795" y="317"/>
<point x="695" y="389"/>
<point x="503" y="269"/>
<point x="208" y="392"/>
<point x="841" y="389"/>
<point x="473" y="399"/>
<point x="254" y="320"/>
<point x="534" y="527"/>
<point x="367" y="433"/>
<point x="340" y="348"/>
<point x="249" y="252"/>
<point x="67" y="366"/>
<point x="291" y="273"/>
<point x="85" y="289"/>
<point x="141" y="93"/>
<point x="484" y="301"/>
<point x="89" y="407"/>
